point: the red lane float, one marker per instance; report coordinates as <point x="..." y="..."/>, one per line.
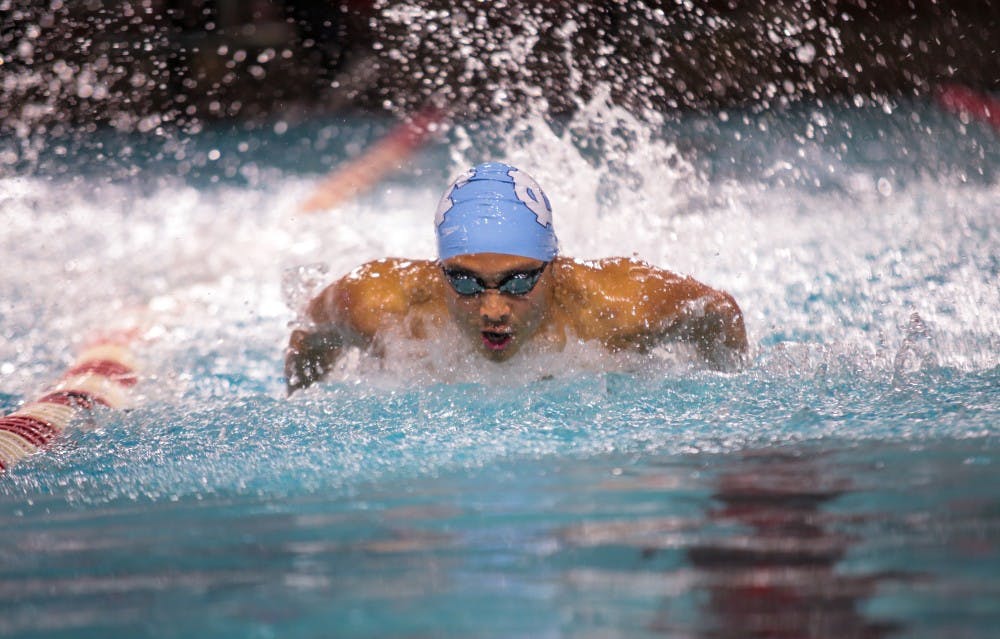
<point x="102" y="375"/>
<point x="357" y="176"/>
<point x="960" y="99"/>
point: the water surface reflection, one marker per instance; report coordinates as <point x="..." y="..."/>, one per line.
<point x="777" y="574"/>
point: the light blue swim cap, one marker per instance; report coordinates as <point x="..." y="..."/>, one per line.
<point x="495" y="208"/>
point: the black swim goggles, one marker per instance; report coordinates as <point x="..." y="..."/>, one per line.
<point x="520" y="283"/>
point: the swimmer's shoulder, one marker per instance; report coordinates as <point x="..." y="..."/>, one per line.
<point x="609" y="279"/>
<point x="379" y="292"/>
<point x="613" y="297"/>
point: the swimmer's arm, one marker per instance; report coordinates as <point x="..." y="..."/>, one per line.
<point x="313" y="351"/>
<point x="348" y="313"/>
<point x="711" y="320"/>
<point x="310" y="356"/>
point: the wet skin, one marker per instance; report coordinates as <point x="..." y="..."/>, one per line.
<point x="619" y="302"/>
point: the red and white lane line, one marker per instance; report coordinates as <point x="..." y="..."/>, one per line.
<point x="963" y="100"/>
<point x="102" y="375"/>
<point x="358" y="175"/>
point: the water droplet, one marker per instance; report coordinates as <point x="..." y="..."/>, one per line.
<point x="805" y="53"/>
<point x="884" y="187"/>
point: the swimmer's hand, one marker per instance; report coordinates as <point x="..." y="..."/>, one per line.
<point x="310" y="356"/>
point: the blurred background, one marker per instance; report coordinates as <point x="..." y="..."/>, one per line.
<point x="142" y="64"/>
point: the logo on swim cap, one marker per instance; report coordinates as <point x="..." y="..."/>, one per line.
<point x="495" y="208"/>
<point x="446" y="202"/>
<point x="528" y="191"/>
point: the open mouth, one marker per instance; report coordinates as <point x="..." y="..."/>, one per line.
<point x="496" y="341"/>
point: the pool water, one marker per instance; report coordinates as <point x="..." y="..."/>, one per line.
<point x="843" y="484"/>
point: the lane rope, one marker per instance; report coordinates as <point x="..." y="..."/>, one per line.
<point x="357" y="176"/>
<point x="963" y="100"/>
<point x="102" y="374"/>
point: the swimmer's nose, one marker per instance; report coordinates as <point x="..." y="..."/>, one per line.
<point x="494" y="308"/>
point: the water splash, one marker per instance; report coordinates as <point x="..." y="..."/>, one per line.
<point x="300" y="284"/>
<point x="917" y="352"/>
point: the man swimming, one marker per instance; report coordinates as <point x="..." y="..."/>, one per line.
<point x="500" y="281"/>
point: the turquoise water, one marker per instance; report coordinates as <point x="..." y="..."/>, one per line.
<point x="842" y="485"/>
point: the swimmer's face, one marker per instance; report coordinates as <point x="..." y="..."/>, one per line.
<point x="498" y="301"/>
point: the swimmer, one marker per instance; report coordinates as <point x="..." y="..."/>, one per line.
<point x="499" y="281"/>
